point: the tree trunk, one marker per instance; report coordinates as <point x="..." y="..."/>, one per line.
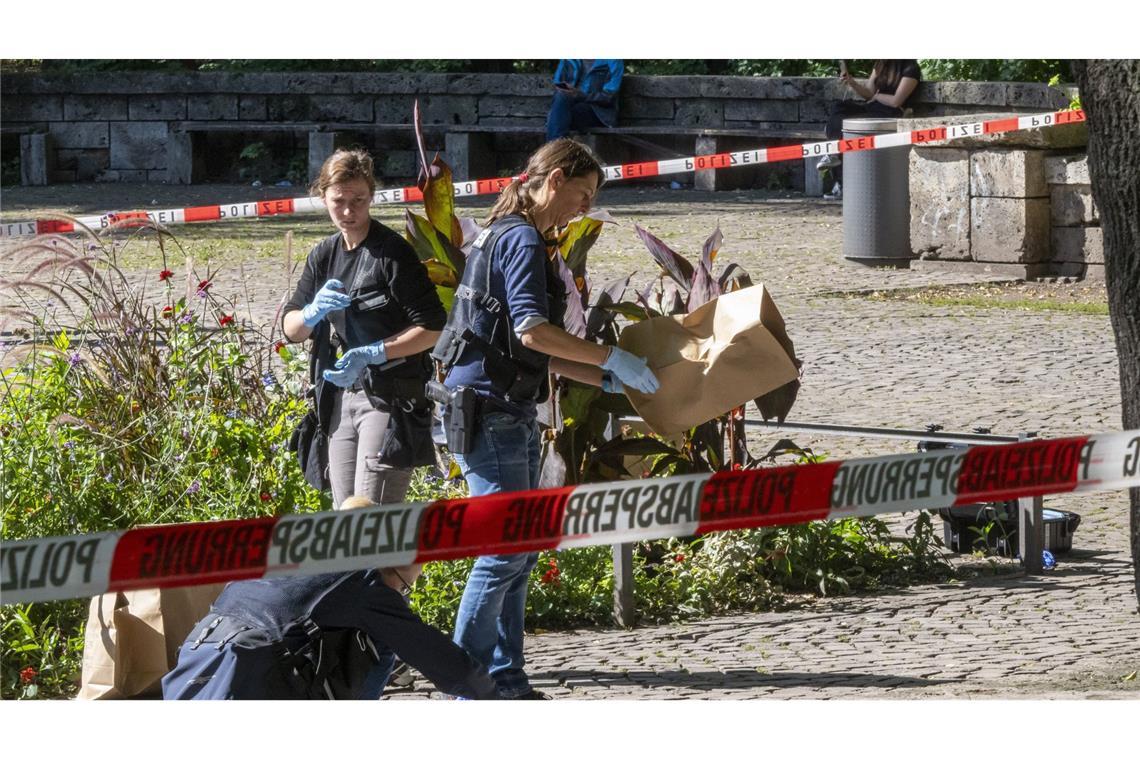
<point x="1110" y="96"/>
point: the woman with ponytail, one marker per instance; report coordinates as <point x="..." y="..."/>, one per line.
<point x="503" y="339"/>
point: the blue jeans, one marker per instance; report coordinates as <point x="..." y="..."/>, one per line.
<point x="503" y="457"/>
<point x="569" y="114"/>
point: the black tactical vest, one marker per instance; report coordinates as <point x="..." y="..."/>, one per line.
<point x="481" y="321"/>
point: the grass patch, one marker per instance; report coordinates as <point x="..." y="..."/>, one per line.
<point x="1067" y="298"/>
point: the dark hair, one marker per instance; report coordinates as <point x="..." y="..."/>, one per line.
<point x="888" y="72"/>
<point x="344" y="166"/>
<point x="569" y="155"/>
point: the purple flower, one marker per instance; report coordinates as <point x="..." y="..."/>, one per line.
<point x="69" y="445"/>
<point x="268" y="380"/>
<point x="186" y="318"/>
<point x="107" y="477"/>
<point x="194" y="487"/>
<point x="232" y="414"/>
<point x="202" y="294"/>
<point x="75" y="359"/>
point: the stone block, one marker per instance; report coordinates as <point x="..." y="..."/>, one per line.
<point x="157" y="107"/>
<point x="705" y="179"/>
<point x="212" y="107"/>
<point x="1070" y="169"/>
<point x="74" y="135"/>
<point x="1055" y="137"/>
<point x="156" y="177"/>
<point x="449" y="109"/>
<point x="340" y="108"/>
<point x="61" y="176"/>
<point x="771" y="110"/>
<point x="1009" y="230"/>
<point x="964" y="93"/>
<point x="287" y="108"/>
<point x="527" y="85"/>
<point x="1078" y="244"/>
<point x="319" y="83"/>
<point x="399" y="163"/>
<point x="512" y="105"/>
<point x="1036" y="95"/>
<point x="94" y="108"/>
<point x="179" y="158"/>
<point x="470" y="155"/>
<point x="37" y="155"/>
<point x="32" y="108"/>
<point x="138" y="145"/>
<point x="637" y="108"/>
<point x="125" y="175"/>
<point x="1072" y="206"/>
<point x="252" y="108"/>
<point x="87" y="164"/>
<point x="940" y="203"/>
<point x="700" y="113"/>
<point x="393" y="109"/>
<point x="321" y="146"/>
<point x="1008" y="173"/>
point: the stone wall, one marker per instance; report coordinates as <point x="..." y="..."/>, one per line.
<point x="1016" y="203"/>
<point x="115" y="127"/>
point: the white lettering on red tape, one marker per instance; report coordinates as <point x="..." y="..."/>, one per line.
<point x="390" y="535"/>
<point x="619" y="172"/>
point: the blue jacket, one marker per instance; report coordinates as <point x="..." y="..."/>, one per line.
<point x="273" y="639"/>
<point x="599" y="83"/>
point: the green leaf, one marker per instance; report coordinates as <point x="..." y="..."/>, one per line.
<point x="575" y="402"/>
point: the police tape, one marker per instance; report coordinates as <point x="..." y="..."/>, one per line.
<point x="38" y="570"/>
<point x="644" y="169"/>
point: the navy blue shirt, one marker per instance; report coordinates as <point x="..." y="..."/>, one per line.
<point x="518" y="280"/>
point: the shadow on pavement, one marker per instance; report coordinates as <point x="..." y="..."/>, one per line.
<point x="743" y="679"/>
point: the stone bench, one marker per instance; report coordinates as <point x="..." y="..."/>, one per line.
<point x="322" y="140"/>
<point x="37" y="152"/>
<point x="470" y="151"/>
<point x="1013" y="203"/>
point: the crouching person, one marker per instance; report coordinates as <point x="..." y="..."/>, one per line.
<point x="330" y="636"/>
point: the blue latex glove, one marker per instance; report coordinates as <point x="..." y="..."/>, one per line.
<point x="610" y="383"/>
<point x="347" y="369"/>
<point x="631" y="370"/>
<point x="331" y="297"/>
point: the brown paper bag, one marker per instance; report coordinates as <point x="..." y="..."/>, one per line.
<point x="132" y="638"/>
<point x="729" y="351"/>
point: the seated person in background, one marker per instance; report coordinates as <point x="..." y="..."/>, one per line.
<point x="585" y="95"/>
<point x="886" y="92"/>
<point x="330" y="636"/>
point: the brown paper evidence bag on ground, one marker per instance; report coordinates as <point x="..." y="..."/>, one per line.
<point x="727" y="352"/>
<point x="132" y="638"/>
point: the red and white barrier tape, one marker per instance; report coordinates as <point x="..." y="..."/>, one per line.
<point x="39" y="570"/>
<point x="246" y="209"/>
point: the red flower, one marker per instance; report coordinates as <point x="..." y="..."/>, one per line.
<point x="226" y="320"/>
<point x="167" y="312"/>
<point x="551" y="575"/>
<point x="27" y="675"/>
<point x="165" y="274"/>
<point x="264" y="496"/>
<point x="204" y="285"/>
<point x="679" y="558"/>
<point x="278" y="346"/>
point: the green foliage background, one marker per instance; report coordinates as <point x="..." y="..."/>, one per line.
<point x="960" y="69"/>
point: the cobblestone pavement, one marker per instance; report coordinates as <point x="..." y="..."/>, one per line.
<point x="1073" y="632"/>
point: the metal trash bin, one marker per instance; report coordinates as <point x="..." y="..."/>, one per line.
<point x="876" y="198"/>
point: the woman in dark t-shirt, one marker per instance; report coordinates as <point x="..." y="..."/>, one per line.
<point x="891" y="83"/>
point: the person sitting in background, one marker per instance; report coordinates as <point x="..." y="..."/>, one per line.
<point x="329" y="636"/>
<point x="891" y="83"/>
<point x="585" y="95"/>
